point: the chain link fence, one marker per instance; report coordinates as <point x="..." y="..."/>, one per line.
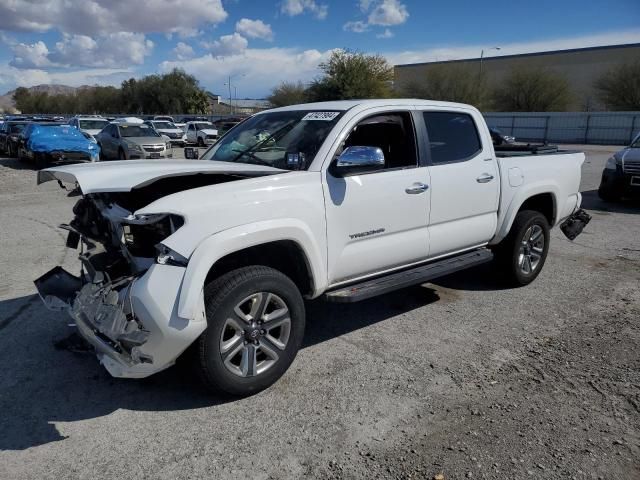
<point x="600" y="128"/>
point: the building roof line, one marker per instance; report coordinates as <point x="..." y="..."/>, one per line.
<point x="521" y="55"/>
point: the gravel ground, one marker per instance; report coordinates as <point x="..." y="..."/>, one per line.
<point x="461" y="377"/>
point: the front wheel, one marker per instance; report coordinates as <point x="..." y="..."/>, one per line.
<point x="200" y="142"/>
<point x="255" y="326"/>
<point x="523" y="252"/>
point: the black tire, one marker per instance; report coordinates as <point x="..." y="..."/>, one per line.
<point x="607" y="195"/>
<point x="121" y="154"/>
<point x="511" y="252"/>
<point x="223" y="297"/>
<point x="101" y="154"/>
<point x="40" y="159"/>
<point x="200" y="142"/>
<point x="11" y="151"/>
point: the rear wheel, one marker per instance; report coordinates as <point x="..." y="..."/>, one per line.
<point x="523" y="252"/>
<point x="40" y="160"/>
<point x="608" y="195"/>
<point x="255" y="326"/>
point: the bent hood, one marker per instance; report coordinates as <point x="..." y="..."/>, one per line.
<point x="125" y="175"/>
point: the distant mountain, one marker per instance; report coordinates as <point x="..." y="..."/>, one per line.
<point x="7" y="104"/>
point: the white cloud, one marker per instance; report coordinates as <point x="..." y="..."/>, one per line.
<point x="387" y="13"/>
<point x="107" y="51"/>
<point x="357" y="26"/>
<point x="262" y="68"/>
<point x="459" y="52"/>
<point x="254" y="29"/>
<point x="30" y="55"/>
<point x="298" y="7"/>
<point x="91" y="17"/>
<point x="386" y="34"/>
<point x="183" y="51"/>
<point x="226" y="45"/>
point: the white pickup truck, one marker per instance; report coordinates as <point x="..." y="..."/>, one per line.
<point x="344" y="200"/>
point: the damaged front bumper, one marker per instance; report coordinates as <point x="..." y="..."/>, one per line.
<point x="132" y="323"/>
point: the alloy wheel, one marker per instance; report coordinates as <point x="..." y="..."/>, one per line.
<point x="531" y="249"/>
<point x="254" y="336"/>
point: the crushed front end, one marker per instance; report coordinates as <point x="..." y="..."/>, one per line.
<point x="124" y="300"/>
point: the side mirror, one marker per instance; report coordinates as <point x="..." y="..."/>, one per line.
<point x="356" y="160"/>
<point x="191" y="153"/>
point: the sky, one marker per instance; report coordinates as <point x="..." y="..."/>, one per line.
<point x="260" y="43"/>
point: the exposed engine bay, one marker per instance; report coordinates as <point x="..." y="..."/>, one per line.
<point x="117" y="247"/>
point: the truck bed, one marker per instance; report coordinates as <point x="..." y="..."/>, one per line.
<point x="503" y="151"/>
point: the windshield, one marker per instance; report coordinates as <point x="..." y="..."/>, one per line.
<point x="636" y="142"/>
<point x="93" y="124"/>
<point x="137" y="131"/>
<point x="287" y="140"/>
<point x="203" y="125"/>
<point x="56" y="131"/>
<point x="164" y="125"/>
<point x="17" y="127"/>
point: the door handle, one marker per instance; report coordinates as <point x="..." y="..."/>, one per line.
<point x="416" y="188"/>
<point x="484" y="178"/>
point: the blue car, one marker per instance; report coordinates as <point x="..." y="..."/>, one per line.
<point x="46" y="143"/>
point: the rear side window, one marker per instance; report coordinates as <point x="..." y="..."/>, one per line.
<point x="453" y="137"/>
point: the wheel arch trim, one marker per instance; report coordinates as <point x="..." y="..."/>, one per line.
<point x="236" y="239"/>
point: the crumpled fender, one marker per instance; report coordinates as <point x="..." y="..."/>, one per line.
<point x="220" y="244"/>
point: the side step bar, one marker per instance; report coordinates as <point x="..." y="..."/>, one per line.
<point x="406" y="278"/>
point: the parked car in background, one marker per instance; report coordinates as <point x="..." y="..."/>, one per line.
<point x="201" y="133"/>
<point x="621" y="174"/>
<point x="10" y="136"/>
<point x="164" y="118"/>
<point x="128" y="141"/>
<point x="499" y="138"/>
<point x="91" y="125"/>
<point x="223" y="126"/>
<point x="46" y="143"/>
<point x="340" y="200"/>
<point x="175" y="135"/>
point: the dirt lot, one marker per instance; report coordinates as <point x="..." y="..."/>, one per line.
<point x="462" y="376"/>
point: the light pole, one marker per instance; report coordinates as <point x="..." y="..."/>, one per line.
<point x="228" y="84"/>
<point x="482" y="56"/>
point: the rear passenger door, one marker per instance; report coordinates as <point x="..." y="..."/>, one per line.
<point x="465" y="184"/>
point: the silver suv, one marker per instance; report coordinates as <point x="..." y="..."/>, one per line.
<point x="128" y="141"/>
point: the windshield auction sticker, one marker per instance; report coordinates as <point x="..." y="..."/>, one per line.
<point x="325" y="116"/>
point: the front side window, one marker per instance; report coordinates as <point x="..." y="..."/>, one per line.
<point x="164" y="125"/>
<point x="392" y="133"/>
<point x="453" y="137"/>
<point x="92" y="124"/>
<point x="287" y="139"/>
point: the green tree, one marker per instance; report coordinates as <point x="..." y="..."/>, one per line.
<point x="349" y="75"/>
<point x="450" y="83"/>
<point x="619" y="89"/>
<point x="288" y="93"/>
<point x="532" y="90"/>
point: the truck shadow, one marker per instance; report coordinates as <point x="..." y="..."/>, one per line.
<point x="591" y="201"/>
<point x="42" y="384"/>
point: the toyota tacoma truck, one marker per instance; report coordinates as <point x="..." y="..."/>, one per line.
<point x="342" y="200"/>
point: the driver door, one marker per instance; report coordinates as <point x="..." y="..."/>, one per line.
<point x="378" y="221"/>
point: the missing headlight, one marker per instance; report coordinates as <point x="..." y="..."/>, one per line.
<point x="142" y="233"/>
